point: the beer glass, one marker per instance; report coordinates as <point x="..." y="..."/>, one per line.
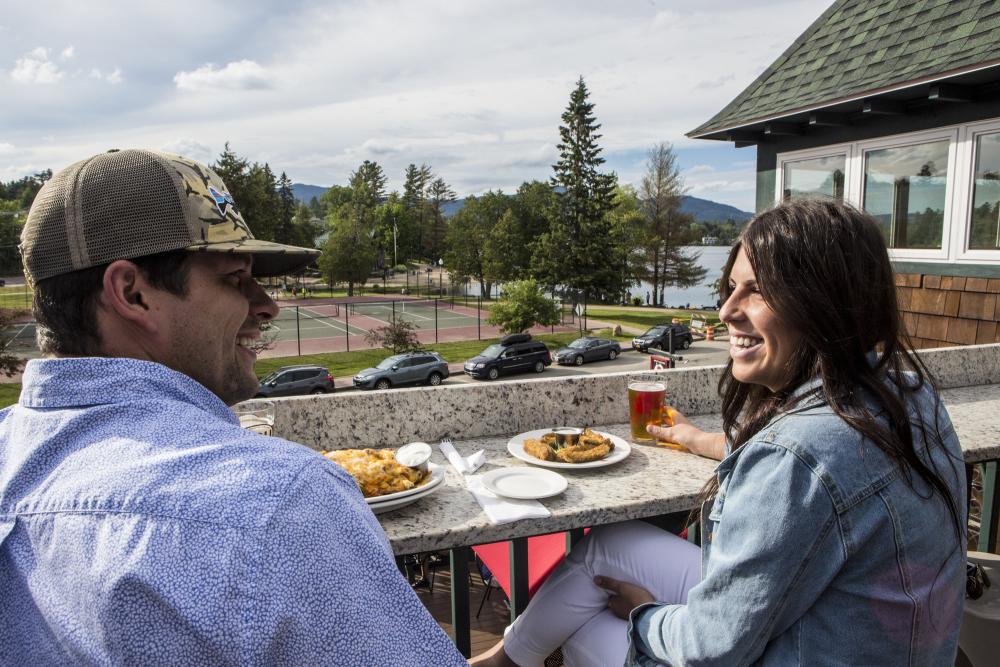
<point x="645" y="406"/>
<point x="256" y="415"/>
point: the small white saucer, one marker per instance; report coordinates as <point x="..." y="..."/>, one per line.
<point x="524" y="483"/>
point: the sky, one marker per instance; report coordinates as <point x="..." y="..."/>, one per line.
<point x="475" y="89"/>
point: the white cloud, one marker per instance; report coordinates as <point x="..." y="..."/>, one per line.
<point x="36" y="68"/>
<point x="113" y="77"/>
<point x="6" y="148"/>
<point x="68" y="52"/>
<point x="189" y="148"/>
<point x="699" y="169"/>
<point x="240" y="75"/>
<point x="475" y="89"/>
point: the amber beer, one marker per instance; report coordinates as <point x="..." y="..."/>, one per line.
<point x="645" y="406"/>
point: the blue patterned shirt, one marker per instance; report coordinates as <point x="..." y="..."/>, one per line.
<point x="140" y="525"/>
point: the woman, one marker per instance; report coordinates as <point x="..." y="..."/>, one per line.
<point x="834" y="530"/>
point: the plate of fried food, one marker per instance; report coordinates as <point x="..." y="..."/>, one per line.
<point x="569" y="448"/>
<point x="385" y="483"/>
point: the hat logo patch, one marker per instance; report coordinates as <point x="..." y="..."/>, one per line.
<point x="224" y="201"/>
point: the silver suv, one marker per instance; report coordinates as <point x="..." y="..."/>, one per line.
<point x="407" y="368"/>
<point x="295" y="380"/>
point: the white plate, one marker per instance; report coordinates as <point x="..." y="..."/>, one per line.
<point x="437" y="476"/>
<point x="524" y="483"/>
<point x="516" y="447"/>
<point x="389" y="505"/>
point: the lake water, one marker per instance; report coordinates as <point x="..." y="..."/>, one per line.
<point x="712" y="258"/>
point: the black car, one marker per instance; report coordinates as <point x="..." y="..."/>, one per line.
<point x="406" y="368"/>
<point x="295" y="380"/>
<point x="659" y="337"/>
<point x="515" y="353"/>
<point x="588" y="349"/>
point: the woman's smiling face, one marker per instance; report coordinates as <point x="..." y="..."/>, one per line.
<point x="759" y="343"/>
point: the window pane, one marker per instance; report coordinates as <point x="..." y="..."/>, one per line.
<point x="904" y="192"/>
<point x="984" y="232"/>
<point x="821" y="176"/>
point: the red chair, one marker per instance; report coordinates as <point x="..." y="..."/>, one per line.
<point x="544" y="554"/>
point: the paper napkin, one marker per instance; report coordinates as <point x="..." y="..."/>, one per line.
<point x="498" y="510"/>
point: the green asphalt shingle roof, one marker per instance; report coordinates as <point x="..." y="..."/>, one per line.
<point x="864" y="45"/>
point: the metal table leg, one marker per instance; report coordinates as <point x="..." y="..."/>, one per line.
<point x="518" y="576"/>
<point x="460" y="629"/>
<point x="573" y="536"/>
<point x="991" y="509"/>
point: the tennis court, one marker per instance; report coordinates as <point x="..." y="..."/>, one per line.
<point x="328" y="325"/>
<point x="327" y="320"/>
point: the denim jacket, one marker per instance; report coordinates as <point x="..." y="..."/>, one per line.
<point x="818" y="551"/>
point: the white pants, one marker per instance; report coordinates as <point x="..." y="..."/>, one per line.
<point x="570" y="611"/>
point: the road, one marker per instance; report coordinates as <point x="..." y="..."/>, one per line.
<point x="702" y="353"/>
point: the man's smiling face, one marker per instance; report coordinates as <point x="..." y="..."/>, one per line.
<point x="211" y="331"/>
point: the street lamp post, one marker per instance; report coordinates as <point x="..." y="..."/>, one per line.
<point x="441" y="276"/>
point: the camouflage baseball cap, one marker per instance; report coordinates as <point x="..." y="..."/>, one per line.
<point x="131" y="203"/>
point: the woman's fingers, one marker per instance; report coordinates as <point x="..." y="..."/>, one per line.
<point x="625" y="596"/>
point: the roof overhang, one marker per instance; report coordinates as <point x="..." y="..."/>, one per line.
<point x="968" y="84"/>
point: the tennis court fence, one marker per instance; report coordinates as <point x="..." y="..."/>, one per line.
<point x="463" y="317"/>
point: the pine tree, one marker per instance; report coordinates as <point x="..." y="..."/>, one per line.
<point x="411" y="225"/>
<point x="285" y="231"/>
<point x="580" y="250"/>
<point x="439" y="193"/>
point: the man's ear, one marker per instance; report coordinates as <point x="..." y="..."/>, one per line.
<point x="127" y="295"/>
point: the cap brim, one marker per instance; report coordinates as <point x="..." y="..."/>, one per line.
<point x="269" y="258"/>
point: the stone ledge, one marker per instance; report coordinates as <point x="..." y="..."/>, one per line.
<point x="389" y="418"/>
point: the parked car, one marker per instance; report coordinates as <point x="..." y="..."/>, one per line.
<point x="659" y="337"/>
<point x="295" y="380"/>
<point x="588" y="349"/>
<point x="406" y="368"/>
<point x="515" y="353"/>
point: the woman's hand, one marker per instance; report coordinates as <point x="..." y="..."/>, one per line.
<point x="626" y="596"/>
<point x="686" y="434"/>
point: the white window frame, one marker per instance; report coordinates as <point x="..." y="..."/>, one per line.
<point x="832" y="150"/>
<point x="958" y="188"/>
<point x="900" y="141"/>
<point x="963" y="208"/>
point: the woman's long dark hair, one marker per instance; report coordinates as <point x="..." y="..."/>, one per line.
<point x="824" y="270"/>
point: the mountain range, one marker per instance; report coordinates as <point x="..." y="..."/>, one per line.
<point x="702" y="210"/>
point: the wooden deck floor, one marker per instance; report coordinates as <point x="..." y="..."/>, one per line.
<point x="488" y="628"/>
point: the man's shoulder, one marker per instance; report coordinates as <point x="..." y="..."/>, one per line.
<point x="210" y="471"/>
<point x="243" y="479"/>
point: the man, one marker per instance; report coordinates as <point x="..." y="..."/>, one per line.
<point x="139" y="524"/>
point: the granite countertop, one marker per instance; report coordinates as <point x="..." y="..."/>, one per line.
<point x="650" y="482"/>
<point x="975" y="413"/>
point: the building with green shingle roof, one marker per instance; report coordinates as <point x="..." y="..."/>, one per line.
<point x="894" y="106"/>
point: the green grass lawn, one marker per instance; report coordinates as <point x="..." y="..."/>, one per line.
<point x="9" y="394"/>
<point x="15" y="296"/>
<point x="648" y="318"/>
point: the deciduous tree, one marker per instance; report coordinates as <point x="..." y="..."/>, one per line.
<point x="398" y="336"/>
<point x="522" y="306"/>
<point x="468" y="238"/>
<point x="667" y="263"/>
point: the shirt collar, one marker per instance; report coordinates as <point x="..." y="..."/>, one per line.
<point x="81" y="381"/>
